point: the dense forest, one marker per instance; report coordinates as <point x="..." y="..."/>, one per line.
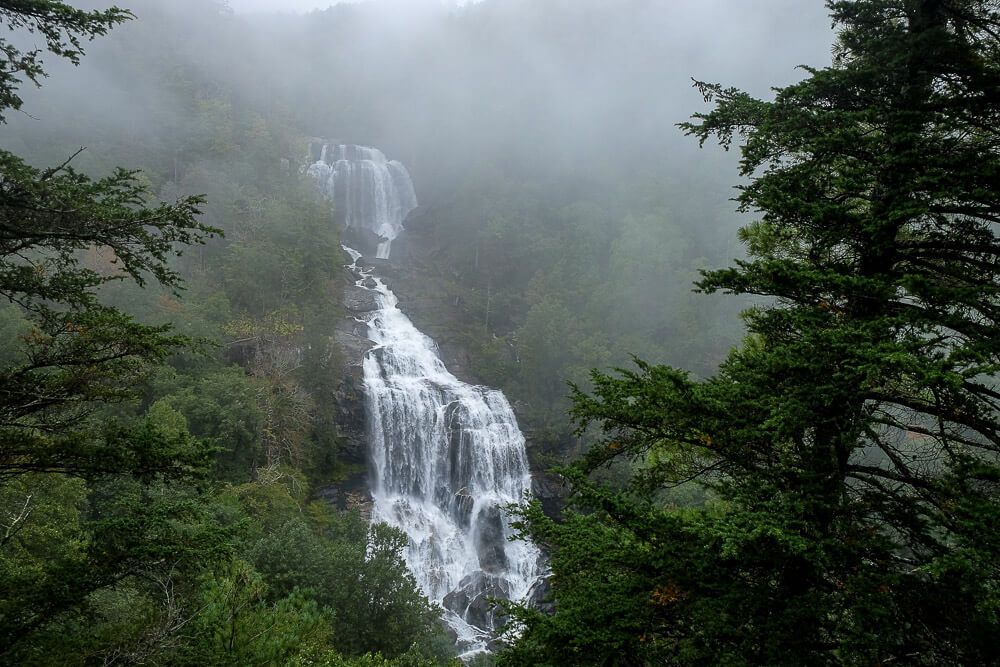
<point x="795" y="462"/>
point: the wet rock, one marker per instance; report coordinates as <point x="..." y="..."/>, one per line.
<point x="540" y="597"/>
<point x="551" y="490"/>
<point x="347" y="401"/>
<point x="450" y="632"/>
<point x="464" y="503"/>
<point x="363" y="240"/>
<point x="360" y="300"/>
<point x="351" y="275"/>
<point x="455" y="417"/>
<point x="383" y="268"/>
<point x="349" y="407"/>
<point x="369" y="283"/>
<point x="457" y="601"/>
<point x="490" y="540"/>
<point x="473" y="600"/>
<point x="352" y="341"/>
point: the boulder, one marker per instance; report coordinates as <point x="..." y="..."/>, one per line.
<point x="351" y="274"/>
<point x="450" y="633"/>
<point x="490" y="540"/>
<point x="381" y="267"/>
<point x="360" y="300"/>
<point x="473" y="600"/>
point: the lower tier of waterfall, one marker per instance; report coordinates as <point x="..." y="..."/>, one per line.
<point x="447" y="458"/>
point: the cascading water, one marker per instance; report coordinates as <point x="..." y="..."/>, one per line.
<point x="447" y="458"/>
<point x="372" y="195"/>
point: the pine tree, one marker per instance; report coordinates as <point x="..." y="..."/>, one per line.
<point x="850" y="446"/>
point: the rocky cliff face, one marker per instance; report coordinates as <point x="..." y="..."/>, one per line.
<point x="348" y="400"/>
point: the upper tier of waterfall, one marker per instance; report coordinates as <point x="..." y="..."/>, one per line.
<point x="372" y="195"/>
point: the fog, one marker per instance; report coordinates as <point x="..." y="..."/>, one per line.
<point x="301" y="6"/>
<point x="567" y="80"/>
<point x="524" y="123"/>
<point x="295" y="6"/>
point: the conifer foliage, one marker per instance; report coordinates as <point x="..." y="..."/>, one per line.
<point x="850" y="446"/>
<point x="76" y="351"/>
<point x="63" y="28"/>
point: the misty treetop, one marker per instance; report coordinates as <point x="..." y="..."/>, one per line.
<point x="75" y="351"/>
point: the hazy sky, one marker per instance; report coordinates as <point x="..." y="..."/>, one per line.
<point x="305" y="5"/>
<point x="280" y="5"/>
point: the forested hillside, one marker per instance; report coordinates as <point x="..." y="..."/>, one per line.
<point x="157" y="483"/>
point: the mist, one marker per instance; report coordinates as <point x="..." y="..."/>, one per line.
<point x="301" y="6"/>
<point x="290" y="6"/>
<point x="497" y="73"/>
<point x="524" y="125"/>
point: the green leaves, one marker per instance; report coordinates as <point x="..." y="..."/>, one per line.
<point x="236" y="625"/>
<point x="355" y="571"/>
<point x="78" y="352"/>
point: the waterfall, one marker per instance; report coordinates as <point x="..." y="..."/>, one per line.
<point x="372" y="195"/>
<point x="447" y="457"/>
